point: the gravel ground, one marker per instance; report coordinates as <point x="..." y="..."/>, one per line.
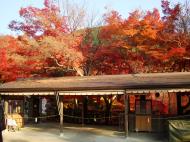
<point x="74" y="133"/>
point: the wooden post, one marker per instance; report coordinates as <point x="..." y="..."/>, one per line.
<point x="82" y="113"/>
<point x="6" y="107"/>
<point x="59" y="100"/>
<point x="126" y="114"/>
<point x="61" y="115"/>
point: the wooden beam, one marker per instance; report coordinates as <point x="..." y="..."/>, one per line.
<point x="126" y="114"/>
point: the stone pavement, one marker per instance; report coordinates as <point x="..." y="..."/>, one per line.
<point x="75" y="133"/>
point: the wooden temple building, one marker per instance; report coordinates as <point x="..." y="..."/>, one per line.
<point x="134" y="102"/>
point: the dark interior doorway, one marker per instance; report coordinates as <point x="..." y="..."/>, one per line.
<point x="35" y="106"/>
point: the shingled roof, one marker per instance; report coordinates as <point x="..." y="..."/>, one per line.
<point x="104" y="82"/>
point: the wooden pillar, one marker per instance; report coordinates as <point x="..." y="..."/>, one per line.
<point x="59" y="100"/>
<point x="126" y="114"/>
<point x="82" y="113"/>
<point x="6" y="106"/>
<point x="61" y="115"/>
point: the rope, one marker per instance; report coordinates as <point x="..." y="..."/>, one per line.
<point x="78" y="117"/>
<point x="173" y="117"/>
<point x="49" y="116"/>
<point x="70" y="116"/>
<point x="167" y="118"/>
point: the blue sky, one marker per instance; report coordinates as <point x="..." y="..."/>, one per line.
<point x="9" y="8"/>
